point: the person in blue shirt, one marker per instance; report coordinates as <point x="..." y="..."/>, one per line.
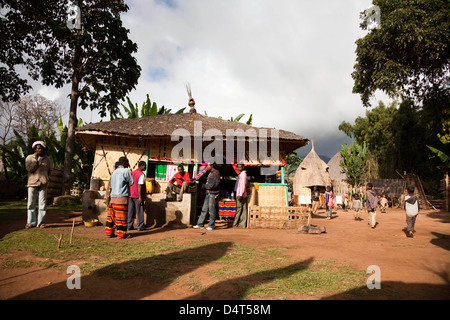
<point x="120" y="183"/>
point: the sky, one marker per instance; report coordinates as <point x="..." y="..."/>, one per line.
<point x="287" y="62"/>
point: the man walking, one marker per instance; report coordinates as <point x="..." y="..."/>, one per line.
<point x="371" y="204"/>
<point x="39" y="167"/>
<point x="240" y="189"/>
<point x="212" y="191"/>
<point x="121" y="181"/>
<point x="136" y="201"/>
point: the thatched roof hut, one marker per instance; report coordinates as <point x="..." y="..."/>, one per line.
<point x="150" y="138"/>
<point x="153" y="139"/>
<point x="164" y="126"/>
<point x="311" y="172"/>
<point x="335" y="169"/>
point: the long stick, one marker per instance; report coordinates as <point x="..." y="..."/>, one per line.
<point x="71" y="232"/>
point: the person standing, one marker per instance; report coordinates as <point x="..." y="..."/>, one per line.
<point x="329" y="202"/>
<point x="412" y="210"/>
<point x="356" y="206"/>
<point x="371" y="204"/>
<point x="137" y="197"/>
<point x="383" y="204"/>
<point x="212" y="191"/>
<point x="39" y="168"/>
<point x="179" y="184"/>
<point x="240" y="189"/>
<point x="315" y="195"/>
<point x="121" y="181"/>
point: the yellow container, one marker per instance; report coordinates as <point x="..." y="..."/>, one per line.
<point x="149" y="185"/>
<point x="90" y="222"/>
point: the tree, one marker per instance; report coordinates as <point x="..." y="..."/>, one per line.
<point x="376" y="130"/>
<point x="37" y="111"/>
<point x="96" y="59"/>
<point x="353" y="162"/>
<point x="408" y="56"/>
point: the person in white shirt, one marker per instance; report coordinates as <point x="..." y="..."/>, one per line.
<point x="412" y="210"/>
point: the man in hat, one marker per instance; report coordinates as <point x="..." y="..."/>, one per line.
<point x="39" y="167"/>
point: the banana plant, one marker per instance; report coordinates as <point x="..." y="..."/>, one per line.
<point x="17" y="150"/>
<point x="148" y="108"/>
<point x="441" y="155"/>
<point x="238" y="118"/>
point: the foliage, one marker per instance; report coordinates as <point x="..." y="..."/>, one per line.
<point x="18" y="149"/>
<point x="97" y="60"/>
<point x="441" y="155"/>
<point x="408" y="55"/>
<point x="292" y="162"/>
<point x="397" y="137"/>
<point x="238" y="118"/>
<point x="99" y="55"/>
<point x="148" y="109"/>
<point x="28" y="111"/>
<point x="353" y="162"/>
<point x="376" y="130"/>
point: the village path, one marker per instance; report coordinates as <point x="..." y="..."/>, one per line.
<point x="411" y="268"/>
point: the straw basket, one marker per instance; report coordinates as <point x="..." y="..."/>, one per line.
<point x="277" y="217"/>
<point x="90" y="222"/>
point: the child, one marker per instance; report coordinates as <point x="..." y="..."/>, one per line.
<point x="383" y="203"/>
<point x="346" y="203"/>
<point x="412" y="209"/>
<point x="356" y="206"/>
<point x="371" y="204"/>
<point x="329" y="202"/>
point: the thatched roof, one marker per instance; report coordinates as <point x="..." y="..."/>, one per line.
<point x="164" y="126"/>
<point x="312" y="171"/>
<point x="334" y="167"/>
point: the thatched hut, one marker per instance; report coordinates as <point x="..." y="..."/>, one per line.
<point x="311" y="172"/>
<point x="165" y="140"/>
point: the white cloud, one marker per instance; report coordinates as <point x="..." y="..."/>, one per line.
<point x="288" y="63"/>
<point x="49" y="93"/>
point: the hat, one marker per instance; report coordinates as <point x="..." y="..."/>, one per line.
<point x="42" y="143"/>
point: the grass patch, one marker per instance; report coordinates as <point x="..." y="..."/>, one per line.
<point x="268" y="271"/>
<point x="254" y="272"/>
<point x="15" y="263"/>
<point x="11" y="210"/>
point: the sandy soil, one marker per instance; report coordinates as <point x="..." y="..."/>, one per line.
<point x="411" y="268"/>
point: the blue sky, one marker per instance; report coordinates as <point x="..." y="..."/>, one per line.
<point x="287" y="62"/>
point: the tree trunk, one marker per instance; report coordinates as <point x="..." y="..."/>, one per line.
<point x="70" y="142"/>
<point x="73" y="121"/>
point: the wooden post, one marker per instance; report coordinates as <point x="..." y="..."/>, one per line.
<point x="71" y="232"/>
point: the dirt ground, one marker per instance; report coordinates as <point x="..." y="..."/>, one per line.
<point x="411" y="268"/>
